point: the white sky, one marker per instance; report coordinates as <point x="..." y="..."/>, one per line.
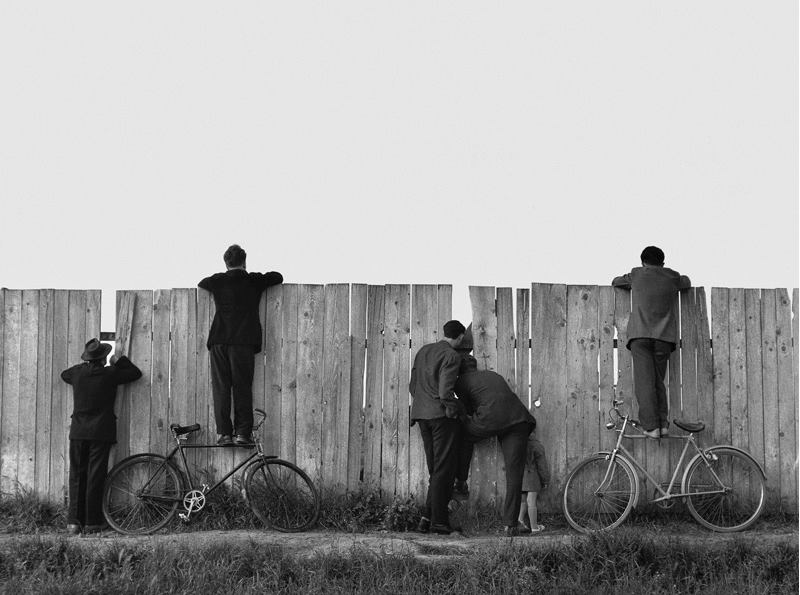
<point x="459" y="142"/>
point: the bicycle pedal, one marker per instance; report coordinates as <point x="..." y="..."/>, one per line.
<point x="184" y="517"/>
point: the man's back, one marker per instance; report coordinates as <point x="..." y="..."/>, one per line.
<point x="433" y="377"/>
<point x="493" y="406"/>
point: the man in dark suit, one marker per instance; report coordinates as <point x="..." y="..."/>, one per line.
<point x="436" y="409"/>
<point x="233" y="341"/>
<point x="92" y="431"/>
<point x="652" y="334"/>
<point x="493" y="409"/>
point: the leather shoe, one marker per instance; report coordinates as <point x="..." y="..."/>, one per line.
<point x="652" y="433"/>
<point x="224" y="440"/>
<point x="73" y="529"/>
<point x="423" y="526"/>
<point x="460" y="488"/>
<point x="665" y="431"/>
<point x="242" y="440"/>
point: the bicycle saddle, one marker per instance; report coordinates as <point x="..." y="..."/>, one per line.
<point x="184" y="429"/>
<point x="690" y="426"/>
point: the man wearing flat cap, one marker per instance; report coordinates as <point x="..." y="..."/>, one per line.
<point x="92" y="431"/>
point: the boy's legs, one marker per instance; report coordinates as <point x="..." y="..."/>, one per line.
<point x="661" y="353"/>
<point x="97" y="468"/>
<point x="221" y="388"/>
<point x="78" y="464"/>
<point x="533" y="511"/>
<point x="242" y="365"/>
<point x="644" y="382"/>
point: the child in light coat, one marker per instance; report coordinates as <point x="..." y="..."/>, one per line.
<point x="536" y="478"/>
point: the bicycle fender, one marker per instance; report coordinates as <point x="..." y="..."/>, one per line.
<point x="741" y="451"/>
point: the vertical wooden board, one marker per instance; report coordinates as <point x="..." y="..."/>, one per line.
<point x="424" y="330"/>
<point x="705" y="363"/>
<point x="273" y="379"/>
<point x="505" y="336"/>
<point x="206" y="435"/>
<point x="769" y="382"/>
<point x="605" y="326"/>
<point x="796" y="387"/>
<point x="358" y="352"/>
<point x="582" y="376"/>
<point x="373" y="399"/>
<point x="445" y="308"/>
<point x="335" y="387"/>
<point x="29" y="344"/>
<point x="755" y="396"/>
<point x="158" y="415"/>
<point x="549" y="374"/>
<point x="523" y="351"/>
<point x="289" y="322"/>
<point x="93" y="313"/>
<point x="62" y="400"/>
<point x="688" y="309"/>
<point x="720" y="336"/>
<point x="486" y="465"/>
<point x="218" y="460"/>
<point x="44" y="393"/>
<point x="737" y="345"/>
<point x="311" y="320"/>
<point x="395" y="374"/>
<point x="9" y="413"/>
<point x="134" y="399"/>
<point x="787" y="402"/>
<point x="3" y="291"/>
<point x="260" y="362"/>
<point x="76" y="340"/>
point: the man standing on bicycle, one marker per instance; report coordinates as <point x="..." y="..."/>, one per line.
<point x="233" y="341"/>
<point x="652" y="334"/>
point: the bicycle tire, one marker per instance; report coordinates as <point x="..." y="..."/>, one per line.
<point x="587" y="507"/>
<point x="141" y="494"/>
<point x="281" y="495"/>
<point x="742" y="500"/>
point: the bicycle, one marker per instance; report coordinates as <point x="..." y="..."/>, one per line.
<point x="143" y="492"/>
<point x="722" y="486"/>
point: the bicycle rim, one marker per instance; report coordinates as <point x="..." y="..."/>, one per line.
<point x="141" y="494"/>
<point x="599" y="494"/>
<point x="282" y="496"/>
<point x="725" y="490"/>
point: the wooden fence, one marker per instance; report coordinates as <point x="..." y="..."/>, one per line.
<point x="334" y="372"/>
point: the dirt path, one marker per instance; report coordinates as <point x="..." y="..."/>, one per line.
<point x="422" y="546"/>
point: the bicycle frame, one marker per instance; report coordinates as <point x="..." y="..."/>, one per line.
<point x="634" y="462"/>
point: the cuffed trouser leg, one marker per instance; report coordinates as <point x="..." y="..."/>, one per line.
<point x="440" y="441"/>
<point x="242" y="367"/>
<point x="221" y="388"/>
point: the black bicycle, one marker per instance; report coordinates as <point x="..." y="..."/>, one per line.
<point x="143" y="492"/>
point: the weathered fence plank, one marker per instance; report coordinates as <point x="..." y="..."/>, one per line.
<point x="485" y="460"/>
<point x="769" y="376"/>
<point x="358" y="353"/>
<point x="288" y="355"/>
<point x="61" y="406"/>
<point x="506" y="355"/>
<point x="523" y="350"/>
<point x="9" y="424"/>
<point x="272" y="303"/>
<point x="374" y="387"/>
<point x="311" y="321"/>
<point x="720" y="334"/>
<point x="605" y="394"/>
<point x="44" y="391"/>
<point x="26" y="446"/>
<point x="336" y="386"/>
<point x="787" y="400"/>
<point x="424" y="319"/>
<point x="755" y="397"/>
<point x="705" y="364"/>
<point x="688" y="356"/>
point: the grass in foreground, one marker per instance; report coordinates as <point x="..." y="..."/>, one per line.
<point x="619" y="562"/>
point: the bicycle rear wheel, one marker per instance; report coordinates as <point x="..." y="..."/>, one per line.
<point x="724" y="489"/>
<point x="281" y="495"/>
<point x="599" y="493"/>
<point x="141" y="494"/>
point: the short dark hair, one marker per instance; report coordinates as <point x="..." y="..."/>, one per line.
<point x="453" y="329"/>
<point x="235" y="256"/>
<point x="653" y="255"/>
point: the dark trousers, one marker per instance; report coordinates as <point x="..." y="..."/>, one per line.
<point x="88" y="465"/>
<point x="514" y="445"/>
<point x="440" y="440"/>
<point x="650" y="357"/>
<point x="232" y="369"/>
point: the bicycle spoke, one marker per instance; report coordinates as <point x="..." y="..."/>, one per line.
<point x="598" y="494"/>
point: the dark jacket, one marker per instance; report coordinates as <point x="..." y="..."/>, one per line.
<point x="94" y="390"/>
<point x="654" y="302"/>
<point x="491" y="404"/>
<point x="237" y="294"/>
<point x="433" y="377"/>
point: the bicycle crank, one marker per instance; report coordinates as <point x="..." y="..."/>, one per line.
<point x="193" y="501"/>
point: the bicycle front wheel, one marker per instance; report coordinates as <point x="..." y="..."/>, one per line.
<point x="599" y="493"/>
<point x="281" y="495"/>
<point x="141" y="494"/>
<point x="724" y="489"/>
